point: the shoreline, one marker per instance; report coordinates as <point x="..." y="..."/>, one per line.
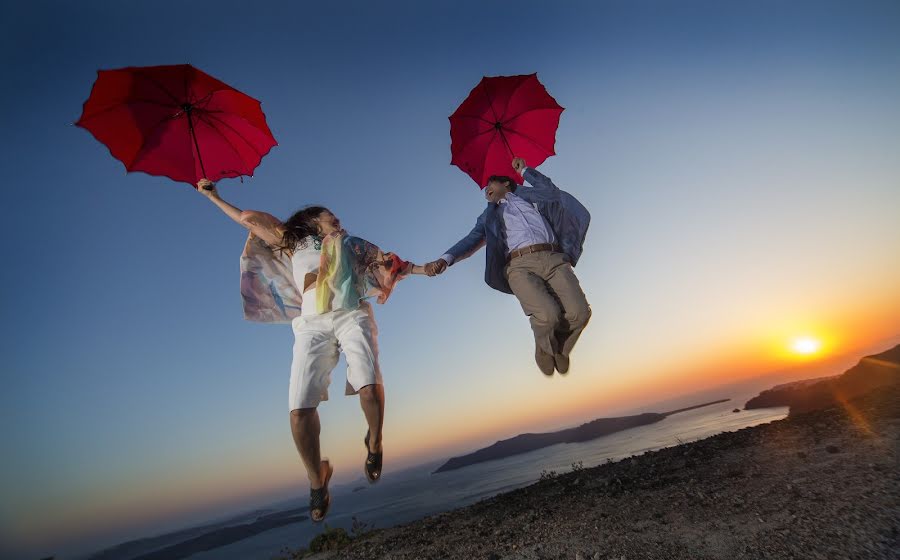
<point x="824" y="484"/>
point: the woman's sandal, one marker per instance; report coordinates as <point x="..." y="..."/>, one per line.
<point x="372" y="467"/>
<point x="320" y="498"/>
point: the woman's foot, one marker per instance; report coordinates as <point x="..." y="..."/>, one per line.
<point x="372" y="467"/>
<point x="320" y="498"/>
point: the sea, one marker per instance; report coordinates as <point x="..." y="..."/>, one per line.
<point x="415" y="493"/>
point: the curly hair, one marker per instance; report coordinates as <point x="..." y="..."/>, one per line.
<point x="299" y="227"/>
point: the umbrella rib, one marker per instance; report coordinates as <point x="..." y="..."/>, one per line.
<point x="526" y="111"/>
<point x="187" y="90"/>
<point x="490" y="101"/>
<point x="519" y="85"/>
<point x="204" y="98"/>
<point x="159" y="86"/>
<point x="232" y="129"/>
<point x="473" y="137"/>
<point x="119" y="104"/>
<point x="482" y="119"/>
<point x="152" y="132"/>
<point x="488" y="148"/>
<point x="227" y="142"/>
<point x="530" y="139"/>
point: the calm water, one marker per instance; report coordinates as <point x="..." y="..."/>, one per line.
<point x="415" y="493"/>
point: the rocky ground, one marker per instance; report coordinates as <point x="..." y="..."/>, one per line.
<point x="820" y="485"/>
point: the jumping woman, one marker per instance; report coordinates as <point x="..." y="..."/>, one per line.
<point x="309" y="272"/>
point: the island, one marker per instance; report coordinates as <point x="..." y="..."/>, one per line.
<point x="523" y="443"/>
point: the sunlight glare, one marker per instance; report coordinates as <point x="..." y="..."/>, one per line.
<point x="806" y="345"/>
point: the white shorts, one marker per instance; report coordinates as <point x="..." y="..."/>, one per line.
<point x="318" y="339"/>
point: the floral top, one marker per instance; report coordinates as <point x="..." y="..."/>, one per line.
<point x="350" y="270"/>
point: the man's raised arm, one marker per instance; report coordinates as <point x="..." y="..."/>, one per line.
<point x="541" y="184"/>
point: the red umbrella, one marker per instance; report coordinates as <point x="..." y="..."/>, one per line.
<point x="176" y="121"/>
<point x="503" y="117"/>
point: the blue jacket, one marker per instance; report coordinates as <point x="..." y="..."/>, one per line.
<point x="568" y="218"/>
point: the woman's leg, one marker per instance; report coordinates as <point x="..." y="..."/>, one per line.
<point x="305" y="429"/>
<point x="371" y="399"/>
<point x="357" y="334"/>
<point x="315" y="355"/>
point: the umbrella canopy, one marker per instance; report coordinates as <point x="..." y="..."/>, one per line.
<point x="177" y="122"/>
<point x="503" y="117"/>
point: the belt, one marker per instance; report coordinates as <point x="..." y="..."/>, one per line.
<point x="532" y="249"/>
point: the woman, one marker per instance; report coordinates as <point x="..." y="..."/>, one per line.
<point x="311" y="273"/>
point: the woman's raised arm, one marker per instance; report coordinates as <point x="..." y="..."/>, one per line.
<point x="262" y="225"/>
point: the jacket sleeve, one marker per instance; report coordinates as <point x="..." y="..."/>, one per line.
<point x="541" y="185"/>
<point x="470" y="243"/>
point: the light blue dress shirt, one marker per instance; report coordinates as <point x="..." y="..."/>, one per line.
<point x="522" y="223"/>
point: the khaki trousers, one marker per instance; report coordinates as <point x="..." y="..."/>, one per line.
<point x="551" y="296"/>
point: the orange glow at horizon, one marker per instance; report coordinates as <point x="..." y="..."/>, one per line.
<point x="593" y="390"/>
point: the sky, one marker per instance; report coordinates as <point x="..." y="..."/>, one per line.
<point x="740" y="161"/>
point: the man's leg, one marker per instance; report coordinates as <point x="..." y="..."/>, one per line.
<point x="371" y="399"/>
<point x="575" y="308"/>
<point x="305" y="428"/>
<point x="525" y="279"/>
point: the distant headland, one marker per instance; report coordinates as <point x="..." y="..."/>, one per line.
<point x="594" y="429"/>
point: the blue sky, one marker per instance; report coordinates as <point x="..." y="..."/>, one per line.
<point x="739" y="159"/>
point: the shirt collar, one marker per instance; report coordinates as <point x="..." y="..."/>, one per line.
<point x="507" y="197"/>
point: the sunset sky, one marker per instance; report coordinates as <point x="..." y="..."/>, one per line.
<point x="740" y="160"/>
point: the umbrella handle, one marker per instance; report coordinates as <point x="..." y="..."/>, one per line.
<point x="509" y="149"/>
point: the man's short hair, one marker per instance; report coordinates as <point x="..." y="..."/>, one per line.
<point x="500" y="178"/>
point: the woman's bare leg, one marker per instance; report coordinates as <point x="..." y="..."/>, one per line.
<point x="371" y="399"/>
<point x="305" y="428"/>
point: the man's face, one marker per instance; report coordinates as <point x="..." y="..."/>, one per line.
<point x="496" y="191"/>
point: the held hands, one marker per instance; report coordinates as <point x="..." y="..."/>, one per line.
<point x="435" y="267"/>
<point x="207" y="188"/>
<point x="519" y="165"/>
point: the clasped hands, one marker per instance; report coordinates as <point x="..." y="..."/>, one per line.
<point x="435" y="267"/>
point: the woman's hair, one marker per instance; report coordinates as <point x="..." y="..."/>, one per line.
<point x="299" y="226"/>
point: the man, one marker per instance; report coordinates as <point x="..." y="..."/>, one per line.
<point x="534" y="236"/>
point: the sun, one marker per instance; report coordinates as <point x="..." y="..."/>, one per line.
<point x="806" y="345"/>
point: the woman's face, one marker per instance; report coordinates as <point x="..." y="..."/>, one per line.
<point x="328" y="222"/>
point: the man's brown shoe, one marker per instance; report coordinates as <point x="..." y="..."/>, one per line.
<point x="562" y="363"/>
<point x="544" y="361"/>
